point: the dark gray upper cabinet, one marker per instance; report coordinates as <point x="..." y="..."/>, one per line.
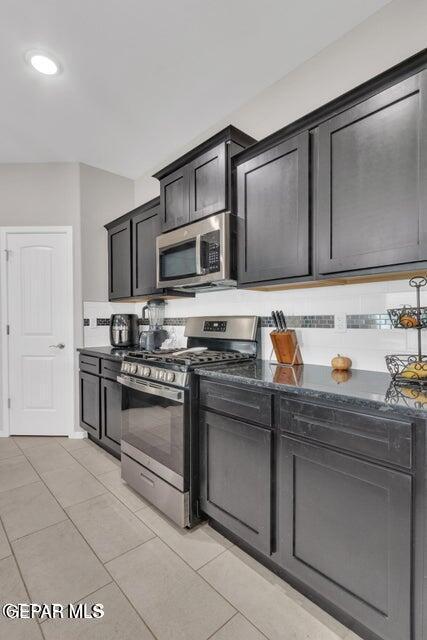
<point x="199" y="183"/>
<point x="207" y="183"/>
<point x="111" y="413"/>
<point x="344" y="528"/>
<point x="235" y="477"/>
<point x="132" y="252"/>
<point x="372" y="198"/>
<point x="273" y="213"/>
<point x="119" y="258"/>
<point x="145" y="229"/>
<point x="174" y="199"/>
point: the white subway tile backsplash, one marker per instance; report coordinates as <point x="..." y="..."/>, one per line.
<point x="366" y="347"/>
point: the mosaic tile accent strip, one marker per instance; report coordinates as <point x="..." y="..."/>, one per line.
<point x="354" y="321"/>
<point x="168" y="322"/>
<point x="103" y="322"/>
<point x="368" y="321"/>
<point x="303" y="322"/>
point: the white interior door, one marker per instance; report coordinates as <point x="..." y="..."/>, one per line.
<point x="40" y="342"/>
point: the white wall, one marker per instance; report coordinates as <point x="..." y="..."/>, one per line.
<point x="68" y="194"/>
<point x="394" y="33"/>
<point x="45" y="194"/>
<point x="103" y="197"/>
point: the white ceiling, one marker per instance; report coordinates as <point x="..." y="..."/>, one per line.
<point x="142" y="78"/>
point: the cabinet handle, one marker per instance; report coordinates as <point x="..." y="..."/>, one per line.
<point x="147" y="479"/>
<point x="60" y="345"/>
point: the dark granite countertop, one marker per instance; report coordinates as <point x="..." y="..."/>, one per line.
<point x="362" y="389"/>
<point x="112" y="353"/>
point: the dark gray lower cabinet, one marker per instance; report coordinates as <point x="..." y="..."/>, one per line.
<point x="344" y="529"/>
<point x="235" y="477"/>
<point x="111" y="413"/>
<point x="89" y="403"/>
<point x="101" y="401"/>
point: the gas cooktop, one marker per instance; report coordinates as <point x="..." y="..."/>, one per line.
<point x="187" y="357"/>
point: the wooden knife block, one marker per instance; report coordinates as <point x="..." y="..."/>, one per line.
<point x="286" y="348"/>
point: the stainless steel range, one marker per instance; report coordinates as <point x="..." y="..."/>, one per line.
<point x="159" y="419"/>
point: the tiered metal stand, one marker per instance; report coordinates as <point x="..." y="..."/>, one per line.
<point x="409" y="371"/>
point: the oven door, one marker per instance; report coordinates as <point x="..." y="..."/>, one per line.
<point x="153" y="428"/>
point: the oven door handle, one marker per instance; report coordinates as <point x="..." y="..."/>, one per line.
<point x="153" y="389"/>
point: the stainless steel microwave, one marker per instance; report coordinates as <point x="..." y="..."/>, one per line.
<point x="198" y="256"/>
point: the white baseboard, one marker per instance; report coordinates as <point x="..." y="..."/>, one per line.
<point x="78" y="435"/>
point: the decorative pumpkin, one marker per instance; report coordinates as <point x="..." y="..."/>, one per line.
<point x="342" y="363"/>
<point x="408" y="320"/>
<point x="340" y="375"/>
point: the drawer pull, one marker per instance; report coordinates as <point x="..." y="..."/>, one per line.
<point x="147" y="479"/>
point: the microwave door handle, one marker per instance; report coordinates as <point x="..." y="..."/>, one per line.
<point x="199" y="270"/>
<point x="153" y="389"/>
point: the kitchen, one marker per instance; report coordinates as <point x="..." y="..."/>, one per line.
<point x="212" y="376"/>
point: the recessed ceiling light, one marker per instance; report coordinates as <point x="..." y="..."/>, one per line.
<point x="43" y="63"/>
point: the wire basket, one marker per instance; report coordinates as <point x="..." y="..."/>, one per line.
<point x="408" y="395"/>
<point x="407" y="368"/>
<point x="410" y="368"/>
<point x="408" y="317"/>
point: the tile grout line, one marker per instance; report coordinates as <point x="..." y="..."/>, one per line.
<point x="188" y="565"/>
<point x="211" y="586"/>
<point x="99" y="560"/>
<point x="236" y="610"/>
<point x="77" y="601"/>
<point x="12" y="554"/>
<point x="169" y="547"/>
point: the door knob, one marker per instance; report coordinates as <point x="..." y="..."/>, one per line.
<point x="60" y="345"/>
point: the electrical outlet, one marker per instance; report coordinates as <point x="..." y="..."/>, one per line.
<point x="340" y="322"/>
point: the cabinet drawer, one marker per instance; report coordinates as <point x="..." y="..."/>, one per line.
<point x="375" y="437"/>
<point x="91" y="364"/>
<point x="243" y="403"/>
<point x="110" y="368"/>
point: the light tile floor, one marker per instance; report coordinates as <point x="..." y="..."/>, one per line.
<point x="72" y="531"/>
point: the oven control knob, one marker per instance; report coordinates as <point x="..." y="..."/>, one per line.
<point x="147" y="371"/>
<point x="133" y="368"/>
<point x="170" y="377"/>
<point x="161" y="375"/>
<point x="140" y="370"/>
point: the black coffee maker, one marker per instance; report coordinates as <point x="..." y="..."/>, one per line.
<point x="124" y="330"/>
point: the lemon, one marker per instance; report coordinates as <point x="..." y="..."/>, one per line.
<point x="415" y="371"/>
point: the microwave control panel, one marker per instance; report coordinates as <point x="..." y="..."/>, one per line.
<point x="211" y="252"/>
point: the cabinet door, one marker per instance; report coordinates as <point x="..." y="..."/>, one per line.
<point x="344" y="529"/>
<point x="145" y="229"/>
<point x="372" y="196"/>
<point x="273" y="210"/>
<point x="174" y="200"/>
<point x="235" y="477"/>
<point x="111" y="413"/>
<point x="208" y="183"/>
<point x="89" y="404"/>
<point x="119" y="261"/>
